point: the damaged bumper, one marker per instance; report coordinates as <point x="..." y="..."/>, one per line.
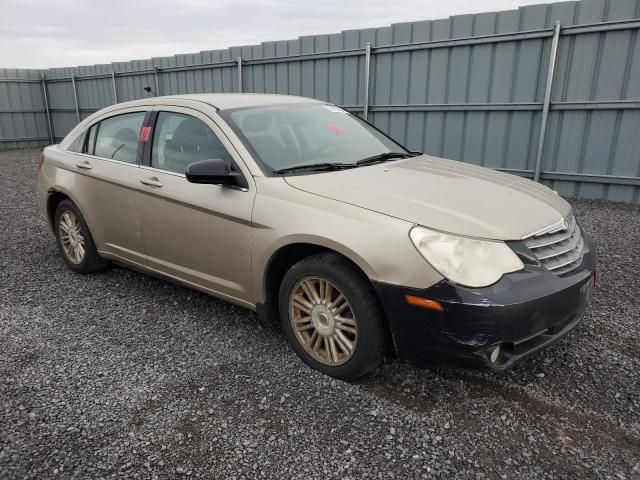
<point x="521" y="314"/>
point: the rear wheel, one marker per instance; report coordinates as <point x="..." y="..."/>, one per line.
<point x="332" y="317"/>
<point x="74" y="240"/>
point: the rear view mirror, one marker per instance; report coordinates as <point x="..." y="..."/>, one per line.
<point x="214" y="171"/>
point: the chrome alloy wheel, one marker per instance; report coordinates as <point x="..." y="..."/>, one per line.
<point x="71" y="237"/>
<point x="323" y="321"/>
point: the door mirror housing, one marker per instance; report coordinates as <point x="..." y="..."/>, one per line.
<point x="213" y="171"/>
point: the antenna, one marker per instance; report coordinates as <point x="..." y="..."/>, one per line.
<point x="148" y="90"/>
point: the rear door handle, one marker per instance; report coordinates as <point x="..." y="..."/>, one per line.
<point x="154" y="182"/>
<point x="84" y="165"/>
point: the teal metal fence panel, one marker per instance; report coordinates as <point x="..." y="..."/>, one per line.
<point x="470" y="87"/>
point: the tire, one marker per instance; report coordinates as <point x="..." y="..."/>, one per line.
<point x="71" y="230"/>
<point x="328" y="322"/>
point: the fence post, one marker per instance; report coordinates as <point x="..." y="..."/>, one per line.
<point x="367" y="73"/>
<point x="115" y="91"/>
<point x="547" y="100"/>
<point x="46" y="107"/>
<point x="157" y="80"/>
<point x="75" y="96"/>
<point x="240" y="74"/>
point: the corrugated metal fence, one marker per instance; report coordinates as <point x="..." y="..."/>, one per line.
<point x="548" y="91"/>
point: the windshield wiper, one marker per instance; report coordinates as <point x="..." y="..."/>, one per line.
<point x="315" y="167"/>
<point x="382" y="157"/>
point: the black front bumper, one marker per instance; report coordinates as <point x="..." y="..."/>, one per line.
<point x="523" y="312"/>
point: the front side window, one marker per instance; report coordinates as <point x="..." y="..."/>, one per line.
<point x="180" y="139"/>
<point x="299" y="135"/>
<point x="117" y="137"/>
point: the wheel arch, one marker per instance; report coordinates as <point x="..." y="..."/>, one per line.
<point x="55" y="196"/>
<point x="287" y="254"/>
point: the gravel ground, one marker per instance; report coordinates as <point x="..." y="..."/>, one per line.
<point x="118" y="374"/>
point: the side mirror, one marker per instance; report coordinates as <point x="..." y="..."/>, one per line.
<point x="214" y="172"/>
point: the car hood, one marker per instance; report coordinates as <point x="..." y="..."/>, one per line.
<point x="445" y="195"/>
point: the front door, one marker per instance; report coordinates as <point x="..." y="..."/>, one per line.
<point x="199" y="234"/>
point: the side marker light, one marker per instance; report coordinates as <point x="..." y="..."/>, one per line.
<point x="424" y="303"/>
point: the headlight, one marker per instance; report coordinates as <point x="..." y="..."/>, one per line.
<point x="466" y="261"/>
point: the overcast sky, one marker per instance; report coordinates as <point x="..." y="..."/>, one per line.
<point x="56" y="33"/>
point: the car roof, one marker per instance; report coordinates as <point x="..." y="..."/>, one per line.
<point x="224" y="101"/>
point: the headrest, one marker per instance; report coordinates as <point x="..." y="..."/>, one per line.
<point x="189" y="129"/>
<point x="125" y="135"/>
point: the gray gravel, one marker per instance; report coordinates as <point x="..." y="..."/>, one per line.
<point x="119" y="374"/>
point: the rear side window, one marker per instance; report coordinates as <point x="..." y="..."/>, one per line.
<point x="117" y="137"/>
<point x="182" y="139"/>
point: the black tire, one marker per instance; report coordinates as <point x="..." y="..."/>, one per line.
<point x="371" y="339"/>
<point x="91" y="261"/>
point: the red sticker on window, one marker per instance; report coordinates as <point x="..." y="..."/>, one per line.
<point x="333" y="128"/>
<point x="145" y="133"/>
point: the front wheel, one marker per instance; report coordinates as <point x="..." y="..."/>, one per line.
<point x="332" y="317"/>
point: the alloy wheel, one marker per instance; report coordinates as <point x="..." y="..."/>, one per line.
<point x="323" y="321"/>
<point x="71" y="238"/>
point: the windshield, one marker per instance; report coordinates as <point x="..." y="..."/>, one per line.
<point x="301" y="135"/>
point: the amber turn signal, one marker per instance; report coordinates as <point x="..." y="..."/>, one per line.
<point x="424" y="303"/>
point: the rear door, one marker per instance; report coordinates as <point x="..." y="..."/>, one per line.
<point x="199" y="234"/>
<point x="108" y="168"/>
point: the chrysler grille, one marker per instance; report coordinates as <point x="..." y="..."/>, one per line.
<point x="559" y="249"/>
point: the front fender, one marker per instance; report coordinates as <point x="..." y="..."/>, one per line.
<point x="378" y="244"/>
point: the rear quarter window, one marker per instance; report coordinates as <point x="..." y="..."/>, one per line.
<point x="78" y="144"/>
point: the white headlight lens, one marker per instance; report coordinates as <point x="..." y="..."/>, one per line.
<point x="466" y="261"/>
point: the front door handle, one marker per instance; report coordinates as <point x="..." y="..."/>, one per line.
<point x="84" y="165"/>
<point x="153" y="182"/>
